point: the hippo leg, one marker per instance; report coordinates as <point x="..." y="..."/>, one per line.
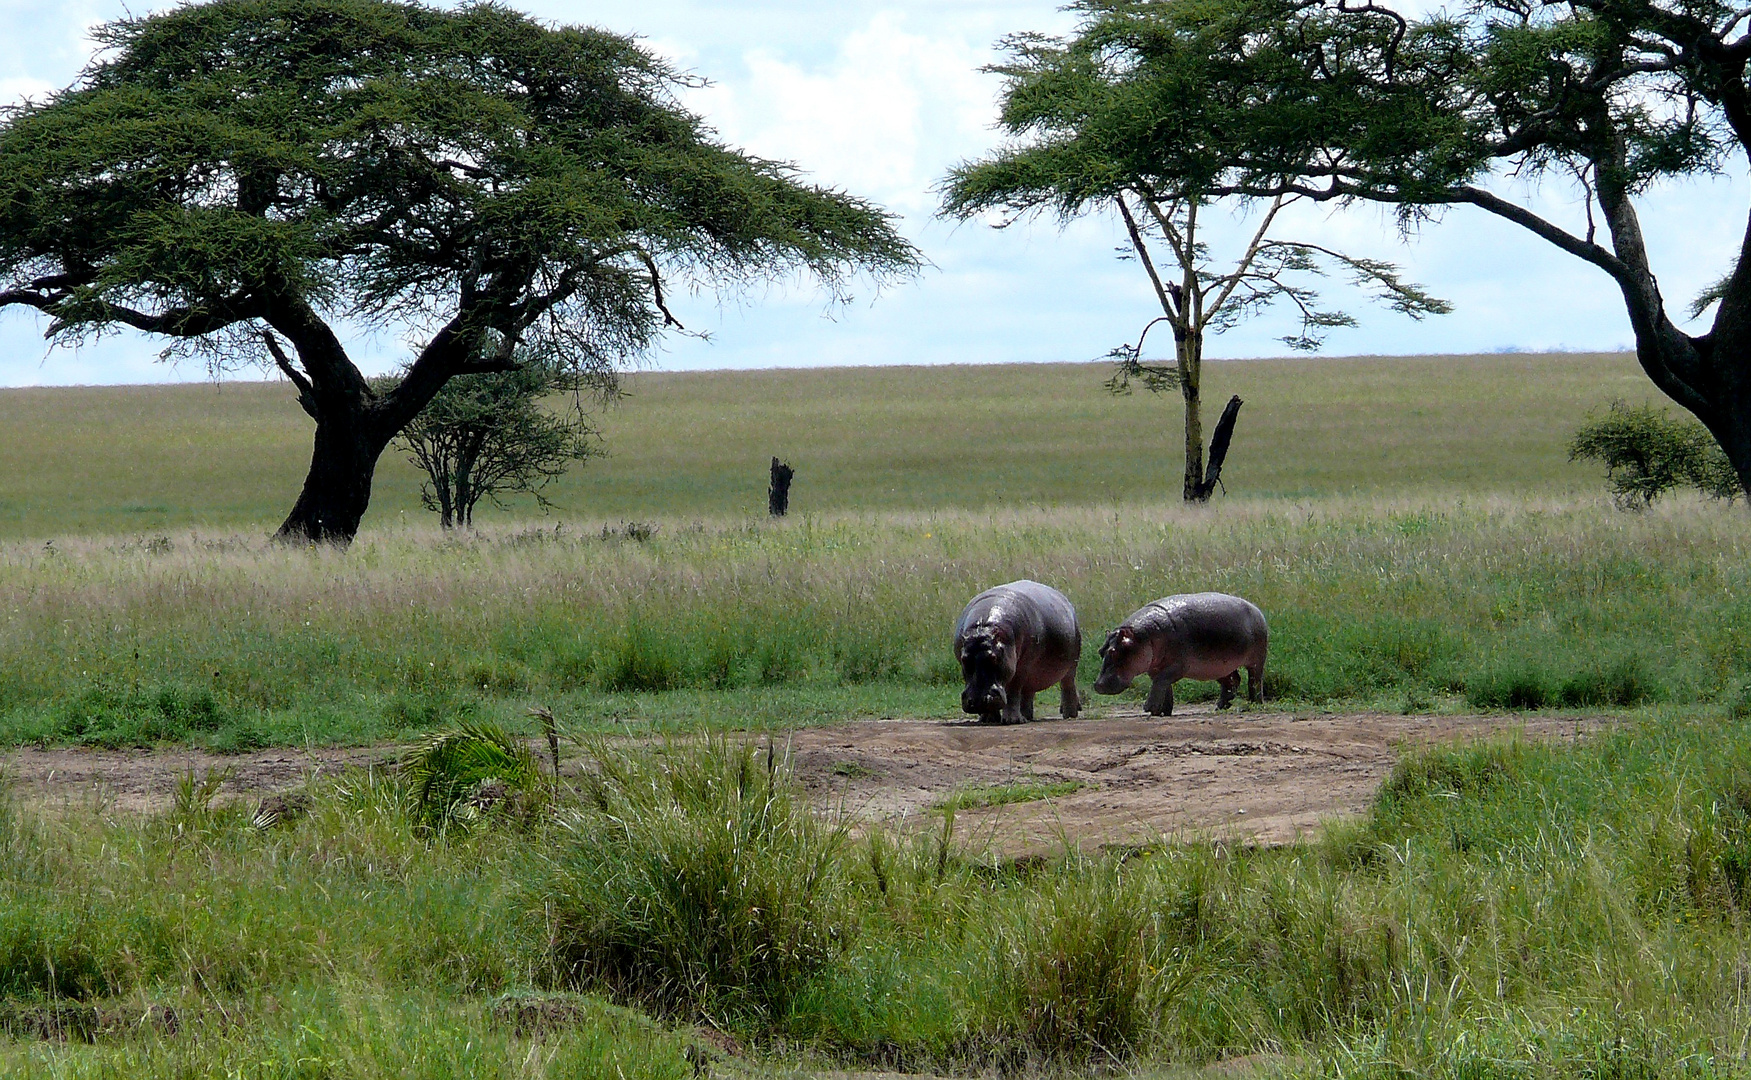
<point x="992" y="717"/>
<point x="1255" y="682"/>
<point x="1160" y="700"/>
<point x="1069" y="704"/>
<point x="1229" y="683"/>
<point x="1027" y="707"/>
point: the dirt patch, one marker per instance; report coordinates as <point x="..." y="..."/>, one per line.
<point x="1266" y="778"/>
<point x="141" y="781"/>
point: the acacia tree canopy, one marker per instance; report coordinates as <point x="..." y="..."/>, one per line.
<point x="243" y="174"/>
<point x="1348" y="100"/>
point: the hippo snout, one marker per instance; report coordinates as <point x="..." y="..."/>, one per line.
<point x="1111" y="682"/>
<point x="990" y="699"/>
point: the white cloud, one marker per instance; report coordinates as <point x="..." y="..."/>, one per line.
<point x="873" y="121"/>
<point x="881" y="99"/>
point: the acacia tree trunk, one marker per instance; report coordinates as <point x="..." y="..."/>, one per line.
<point x="338" y="487"/>
<point x="1710" y="375"/>
<point x="1189" y="349"/>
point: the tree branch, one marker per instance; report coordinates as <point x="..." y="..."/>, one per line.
<point x="1246" y="260"/>
<point x="1174" y="311"/>
<point x="1546" y="230"/>
<point x="657" y="288"/>
<point x="306" y="392"/>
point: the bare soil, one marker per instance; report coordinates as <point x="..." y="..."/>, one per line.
<point x="143" y="781"/>
<point x="1262" y="777"/>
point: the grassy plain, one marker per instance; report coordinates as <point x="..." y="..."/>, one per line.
<point x="230" y="458"/>
<point x="1411" y="527"/>
<point x="1416" y="604"/>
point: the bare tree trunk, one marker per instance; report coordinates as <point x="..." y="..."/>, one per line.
<point x="1219" y="447"/>
<point x="338" y="487"/>
<point x="1189" y="347"/>
<point x="778" y="491"/>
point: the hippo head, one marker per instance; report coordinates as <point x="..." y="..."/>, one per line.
<point x="1123" y="656"/>
<point x="987" y="663"/>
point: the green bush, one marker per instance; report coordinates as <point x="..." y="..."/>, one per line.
<point x="641" y="661"/>
<point x="695" y="883"/>
<point x="458" y="776"/>
<point x="1647" y="453"/>
<point x="1623" y="682"/>
<point x="115" y="718"/>
<point x="1518" y="686"/>
<point x="1077" y="962"/>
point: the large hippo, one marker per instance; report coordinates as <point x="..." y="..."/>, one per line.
<point x="1207" y="635"/>
<point x="1014" y="641"/>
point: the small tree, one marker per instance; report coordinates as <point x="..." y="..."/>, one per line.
<point x="1647" y="453"/>
<point x="1086" y="115"/>
<point x="495" y="434"/>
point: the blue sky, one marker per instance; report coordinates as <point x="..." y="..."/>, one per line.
<point x="881" y="99"/>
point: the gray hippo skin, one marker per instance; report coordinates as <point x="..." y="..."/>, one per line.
<point x="1012" y="642"/>
<point x="1205" y="635"/>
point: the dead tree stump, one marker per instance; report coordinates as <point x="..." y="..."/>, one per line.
<point x="778" y="494"/>
<point x="1219" y="449"/>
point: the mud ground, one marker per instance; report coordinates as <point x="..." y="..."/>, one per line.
<point x="1266" y="777"/>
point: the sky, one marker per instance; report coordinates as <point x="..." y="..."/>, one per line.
<point x="881" y="99"/>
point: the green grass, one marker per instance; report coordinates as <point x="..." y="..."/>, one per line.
<point x="1506" y="909"/>
<point x="983" y="795"/>
<point x="1449" y="602"/>
<point x="144" y="461"/>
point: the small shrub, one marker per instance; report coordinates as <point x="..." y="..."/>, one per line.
<point x="867" y="662"/>
<point x="459" y="776"/>
<point x="496" y="676"/>
<point x="1647" y="453"/>
<point x="1520" y="687"/>
<point x="1623" y="683"/>
<point x="1078" y="966"/>
<point x="695" y="883"/>
<point x="1738" y="699"/>
<point x="641" y="662"/>
<point x="140" y="717"/>
<point x="1466" y="771"/>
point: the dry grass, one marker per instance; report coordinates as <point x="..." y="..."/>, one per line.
<point x="234" y="641"/>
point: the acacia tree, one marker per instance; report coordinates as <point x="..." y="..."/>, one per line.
<point x="1084" y="115"/>
<point x="245" y="174"/>
<point x="1343" y="101"/>
<point x="488" y="435"/>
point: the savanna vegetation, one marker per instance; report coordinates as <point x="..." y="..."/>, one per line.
<point x="1384" y="591"/>
<point x="1506" y="910"/>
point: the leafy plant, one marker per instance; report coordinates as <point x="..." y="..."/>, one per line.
<point x="489" y="435"/>
<point x="456" y="777"/>
<point x="1647" y="453"/>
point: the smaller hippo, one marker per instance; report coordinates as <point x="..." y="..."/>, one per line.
<point x="1012" y="642"/>
<point x="1204" y="635"/>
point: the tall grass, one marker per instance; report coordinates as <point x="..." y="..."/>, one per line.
<point x="1496" y="604"/>
<point x="696" y="884"/>
<point x="1509" y="909"/>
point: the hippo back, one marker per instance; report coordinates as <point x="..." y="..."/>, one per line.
<point x="1206" y="621"/>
